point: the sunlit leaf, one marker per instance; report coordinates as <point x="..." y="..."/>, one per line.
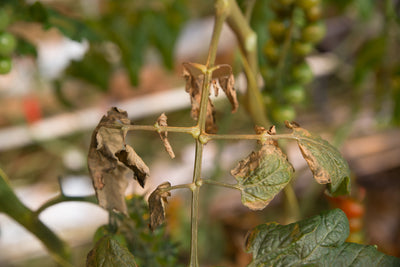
<point x="262" y="175"/>
<point x="110" y="159"/>
<point x="325" y="161"/>
<point x="157" y="202"/>
<point x="316" y="241"/>
<point x="108" y="252"/>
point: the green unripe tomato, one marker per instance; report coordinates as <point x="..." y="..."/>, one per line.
<point x="5" y="65"/>
<point x="4" y="20"/>
<point x="313" y="33"/>
<point x="7" y="44"/>
<point x="302" y="73"/>
<point x="271" y="51"/>
<point x="313" y="14"/>
<point x="294" y="93"/>
<point x="302" y="49"/>
<point x="268" y="73"/>
<point x="307" y="4"/>
<point x="267" y="98"/>
<point x="277" y="29"/>
<point x="283" y="113"/>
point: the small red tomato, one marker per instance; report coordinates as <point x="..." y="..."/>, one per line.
<point x="32" y="110"/>
<point x="352" y="208"/>
<point x="355" y="224"/>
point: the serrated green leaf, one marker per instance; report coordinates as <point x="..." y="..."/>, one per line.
<point x="108" y="252"/>
<point x="262" y="175"/>
<point x="325" y="161"/>
<point x="316" y="241"/>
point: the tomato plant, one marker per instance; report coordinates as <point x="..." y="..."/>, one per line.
<point x="7" y="44"/>
<point x="5" y="65"/>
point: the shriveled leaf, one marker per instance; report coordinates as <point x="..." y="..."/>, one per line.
<point x="194" y="83"/>
<point x="325" y="161"/>
<point x="223" y="79"/>
<point x="162" y="121"/>
<point x="131" y="160"/>
<point x="316" y="241"/>
<point x="109" y="161"/>
<point x="262" y="175"/>
<point x="108" y="252"/>
<point x="157" y="202"/>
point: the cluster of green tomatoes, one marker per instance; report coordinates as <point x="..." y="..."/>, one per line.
<point x="8" y="43"/>
<point x="294" y="31"/>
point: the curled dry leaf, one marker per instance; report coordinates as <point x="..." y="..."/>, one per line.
<point x="157" y="202"/>
<point x="162" y="121"/>
<point x="222" y="78"/>
<point x="194" y="83"/>
<point x="325" y="161"/>
<point x="109" y="161"/>
<point x="262" y="175"/>
<point x="131" y="160"/>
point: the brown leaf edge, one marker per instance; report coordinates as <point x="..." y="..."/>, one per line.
<point x="253" y="161"/>
<point x="321" y="175"/>
<point x="157" y="201"/>
<point x="162" y="121"/>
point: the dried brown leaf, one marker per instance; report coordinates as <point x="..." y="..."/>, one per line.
<point x="194" y="83"/>
<point x="131" y="160"/>
<point x="108" y="173"/>
<point x="223" y="79"/>
<point x="162" y="121"/>
<point x="157" y="202"/>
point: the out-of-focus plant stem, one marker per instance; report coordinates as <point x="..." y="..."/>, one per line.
<point x="13" y="207"/>
<point x="247" y="40"/>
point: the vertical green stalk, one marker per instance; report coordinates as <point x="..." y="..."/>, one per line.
<point x="247" y="40"/>
<point x="221" y="7"/>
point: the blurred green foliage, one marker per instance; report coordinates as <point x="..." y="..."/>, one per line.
<point x="149" y="248"/>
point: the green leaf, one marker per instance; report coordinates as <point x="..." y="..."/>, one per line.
<point x="316" y="241"/>
<point x="369" y="57"/>
<point x="325" y="161"/>
<point x="262" y="175"/>
<point x="108" y="252"/>
<point x="25" y="47"/>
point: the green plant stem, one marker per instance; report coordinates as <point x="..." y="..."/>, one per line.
<point x="207" y="137"/>
<point x="221" y="8"/>
<point x="63" y="198"/>
<point x="292" y="205"/>
<point x="13" y="207"/>
<point x="247" y="39"/>
<point x="212" y="182"/>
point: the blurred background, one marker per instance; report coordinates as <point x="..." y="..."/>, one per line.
<point x="64" y="63"/>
